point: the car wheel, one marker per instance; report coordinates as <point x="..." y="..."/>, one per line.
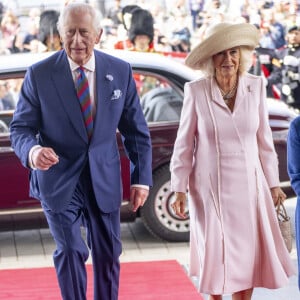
<point x="157" y="213"/>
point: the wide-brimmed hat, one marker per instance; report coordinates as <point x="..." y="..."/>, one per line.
<point x="220" y="37"/>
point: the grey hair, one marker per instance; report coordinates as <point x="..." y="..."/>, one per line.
<point x="208" y="69"/>
<point x="79" y="8"/>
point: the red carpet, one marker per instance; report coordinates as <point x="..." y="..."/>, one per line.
<point x="158" y="280"/>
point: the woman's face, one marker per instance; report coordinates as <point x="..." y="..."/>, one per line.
<point x="226" y="63"/>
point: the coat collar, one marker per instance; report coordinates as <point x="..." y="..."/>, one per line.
<point x="242" y="91"/>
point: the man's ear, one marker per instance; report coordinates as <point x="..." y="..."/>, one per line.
<point x="98" y="37"/>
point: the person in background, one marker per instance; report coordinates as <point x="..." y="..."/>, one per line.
<point x="264" y="63"/>
<point x="6" y="100"/>
<point x="179" y="33"/>
<point x="272" y="31"/>
<point x="286" y="69"/>
<point x="44" y="37"/>
<point x="31" y="38"/>
<point x="115" y="14"/>
<point x="10" y="29"/>
<point x="32" y="30"/>
<point x="141" y="31"/>
<point x="225" y="158"/>
<point x="196" y="7"/>
<point x="180" y="39"/>
<point x="126" y="15"/>
<point x="64" y="131"/>
<point x="48" y="32"/>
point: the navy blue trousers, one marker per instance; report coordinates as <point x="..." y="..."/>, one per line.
<point x="103" y="241"/>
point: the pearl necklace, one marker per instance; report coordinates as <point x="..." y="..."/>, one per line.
<point x="230" y="94"/>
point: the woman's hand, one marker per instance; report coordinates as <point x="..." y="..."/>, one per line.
<point x="278" y="195"/>
<point x="179" y="205"/>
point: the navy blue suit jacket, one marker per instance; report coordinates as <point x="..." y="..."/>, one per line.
<point x="48" y="113"/>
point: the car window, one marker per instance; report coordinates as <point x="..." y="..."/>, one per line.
<point x="9" y="94"/>
<point x="160" y="100"/>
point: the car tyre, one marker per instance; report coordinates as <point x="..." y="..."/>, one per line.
<point x="157" y="214"/>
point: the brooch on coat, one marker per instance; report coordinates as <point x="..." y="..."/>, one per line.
<point x="116" y="93"/>
<point x="109" y="77"/>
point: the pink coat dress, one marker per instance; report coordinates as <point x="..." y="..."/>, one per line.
<point x="228" y="163"/>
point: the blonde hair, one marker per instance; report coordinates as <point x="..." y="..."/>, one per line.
<point x="208" y="69"/>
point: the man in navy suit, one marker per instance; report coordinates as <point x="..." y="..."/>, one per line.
<point x="78" y="179"/>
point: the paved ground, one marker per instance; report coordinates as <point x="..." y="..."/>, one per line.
<point x="34" y="247"/>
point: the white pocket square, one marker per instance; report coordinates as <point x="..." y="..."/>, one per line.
<point x="116" y="94"/>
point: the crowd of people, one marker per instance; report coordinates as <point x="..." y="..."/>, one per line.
<point x="235" y="242"/>
<point x="175" y="28"/>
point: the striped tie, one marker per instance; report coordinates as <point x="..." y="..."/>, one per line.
<point x="83" y="93"/>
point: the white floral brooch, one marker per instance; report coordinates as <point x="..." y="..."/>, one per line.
<point x="109" y="77"/>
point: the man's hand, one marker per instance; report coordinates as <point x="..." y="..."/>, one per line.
<point x="44" y="158"/>
<point x="138" y="197"/>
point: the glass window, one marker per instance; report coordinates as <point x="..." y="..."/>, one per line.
<point x="160" y="100"/>
<point x="9" y="94"/>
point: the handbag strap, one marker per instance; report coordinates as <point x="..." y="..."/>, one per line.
<point x="281" y="212"/>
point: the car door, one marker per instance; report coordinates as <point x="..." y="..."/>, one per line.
<point x="14" y="192"/>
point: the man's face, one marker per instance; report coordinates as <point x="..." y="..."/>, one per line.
<point x="141" y="42"/>
<point x="79" y="37"/>
<point x="294" y="37"/>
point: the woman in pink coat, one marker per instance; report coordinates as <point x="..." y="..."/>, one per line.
<point x="224" y="156"/>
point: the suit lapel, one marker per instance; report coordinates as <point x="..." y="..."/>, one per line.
<point x="104" y="87"/>
<point x="215" y="93"/>
<point x="65" y="86"/>
<point x="241" y="93"/>
<point x="105" y="84"/>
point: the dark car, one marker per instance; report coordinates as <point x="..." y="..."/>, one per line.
<point x="160" y="82"/>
